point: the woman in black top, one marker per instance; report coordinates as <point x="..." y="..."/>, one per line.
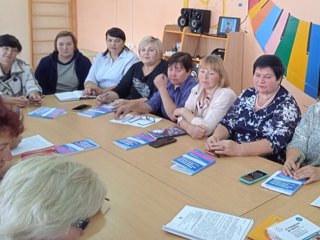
<point x="137" y="83"/>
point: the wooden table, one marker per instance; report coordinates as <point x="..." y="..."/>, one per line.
<point x="145" y="193"/>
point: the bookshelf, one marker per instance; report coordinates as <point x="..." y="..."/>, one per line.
<point x="200" y="45"/>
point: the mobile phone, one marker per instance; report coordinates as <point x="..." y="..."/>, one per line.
<point x="253" y="177"/>
<point x="162" y="141"/>
<point x="81" y="107"/>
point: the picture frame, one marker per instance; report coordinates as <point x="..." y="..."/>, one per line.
<point x="228" y="24"/>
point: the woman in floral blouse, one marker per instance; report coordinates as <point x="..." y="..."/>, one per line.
<point x="262" y="120"/>
<point x="303" y="152"/>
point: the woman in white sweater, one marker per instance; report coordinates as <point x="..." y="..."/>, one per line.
<point x="209" y="101"/>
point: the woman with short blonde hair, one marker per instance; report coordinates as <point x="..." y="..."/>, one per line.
<point x="48" y="197"/>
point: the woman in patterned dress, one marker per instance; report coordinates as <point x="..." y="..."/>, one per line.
<point x="262" y="120"/>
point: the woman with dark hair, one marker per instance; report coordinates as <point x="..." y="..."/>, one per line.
<point x="110" y="66"/>
<point x="262" y="120"/>
<point x="17" y="83"/>
<point x="173" y="91"/>
<point x="10" y="128"/>
<point x="65" y="69"/>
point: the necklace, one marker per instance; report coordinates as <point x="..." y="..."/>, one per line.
<point x="267" y="102"/>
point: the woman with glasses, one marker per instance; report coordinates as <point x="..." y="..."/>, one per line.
<point x="262" y="120"/>
<point x="48" y="197"/>
<point x="65" y="69"/>
<point x="138" y="82"/>
<point x="109" y="67"/>
<point x="209" y="101"/>
<point x="17" y="83"/>
<point x="11" y="127"/>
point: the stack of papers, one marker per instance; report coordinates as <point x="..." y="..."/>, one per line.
<point x="192" y="162"/>
<point x="203" y="224"/>
<point x="281" y="183"/>
<point x="48" y="112"/>
<point x="31" y="144"/>
<point x="294" y="228"/>
<point x="97" y="111"/>
<point x="133" y="141"/>
<point x="72" y="96"/>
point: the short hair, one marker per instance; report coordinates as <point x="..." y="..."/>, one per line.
<point x="8" y="40"/>
<point x="271" y="61"/>
<point x="42" y="196"/>
<point x="156" y="41"/>
<point x="183" y="59"/>
<point x="66" y="34"/>
<point x="117" y="33"/>
<point x="10" y="120"/>
<point x="216" y="63"/>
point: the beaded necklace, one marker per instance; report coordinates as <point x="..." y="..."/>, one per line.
<point x="267" y="102"/>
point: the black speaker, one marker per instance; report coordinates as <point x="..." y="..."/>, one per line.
<point x="183" y="20"/>
<point x="199" y="21"/>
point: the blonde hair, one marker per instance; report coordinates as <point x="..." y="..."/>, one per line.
<point x="216" y="63"/>
<point x="42" y="196"/>
<point x="156" y="41"/>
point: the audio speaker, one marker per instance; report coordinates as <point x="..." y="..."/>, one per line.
<point x="199" y="21"/>
<point x="183" y="20"/>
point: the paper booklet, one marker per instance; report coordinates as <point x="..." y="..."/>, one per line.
<point x="72" y="96"/>
<point x="97" y="111"/>
<point x="260" y="232"/>
<point x="202" y="224"/>
<point x="137" y="120"/>
<point x="192" y="162"/>
<point x="33" y="143"/>
<point x="294" y="228"/>
<point x="135" y="141"/>
<point x="173" y="131"/>
<point x="281" y="183"/>
<point x="77" y="146"/>
<point x="47" y="112"/>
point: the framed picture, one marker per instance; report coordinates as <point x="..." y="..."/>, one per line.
<point x="228" y="24"/>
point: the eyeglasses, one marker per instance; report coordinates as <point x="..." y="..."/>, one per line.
<point x="141" y="120"/>
<point x="81" y="223"/>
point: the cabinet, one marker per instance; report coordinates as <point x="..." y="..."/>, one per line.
<point x="200" y="45"/>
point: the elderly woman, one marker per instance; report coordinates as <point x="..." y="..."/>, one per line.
<point x="209" y="101"/>
<point x="65" y="69"/>
<point x="48" y="197"/>
<point x="109" y="67"/>
<point x="262" y="120"/>
<point x="303" y="152"/>
<point x="138" y="83"/>
<point x="173" y="91"/>
<point x="10" y="129"/>
<point x="17" y="83"/>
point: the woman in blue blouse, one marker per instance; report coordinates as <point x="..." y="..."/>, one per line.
<point x="262" y="120"/>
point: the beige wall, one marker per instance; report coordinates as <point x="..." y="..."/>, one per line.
<point x="141" y="17"/>
<point x="14" y="21"/>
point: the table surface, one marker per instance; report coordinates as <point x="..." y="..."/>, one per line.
<point x="146" y="194"/>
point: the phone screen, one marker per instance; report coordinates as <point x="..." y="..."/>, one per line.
<point x="81" y="107"/>
<point x="254" y="175"/>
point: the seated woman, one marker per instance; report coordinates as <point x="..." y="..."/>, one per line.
<point x="209" y="101"/>
<point x="65" y="69"/>
<point x="173" y="91"/>
<point x="11" y="127"/>
<point x="109" y="67"/>
<point x="17" y="83"/>
<point x="137" y="83"/>
<point x="48" y="197"/>
<point x="262" y="120"/>
<point x="303" y="152"/>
